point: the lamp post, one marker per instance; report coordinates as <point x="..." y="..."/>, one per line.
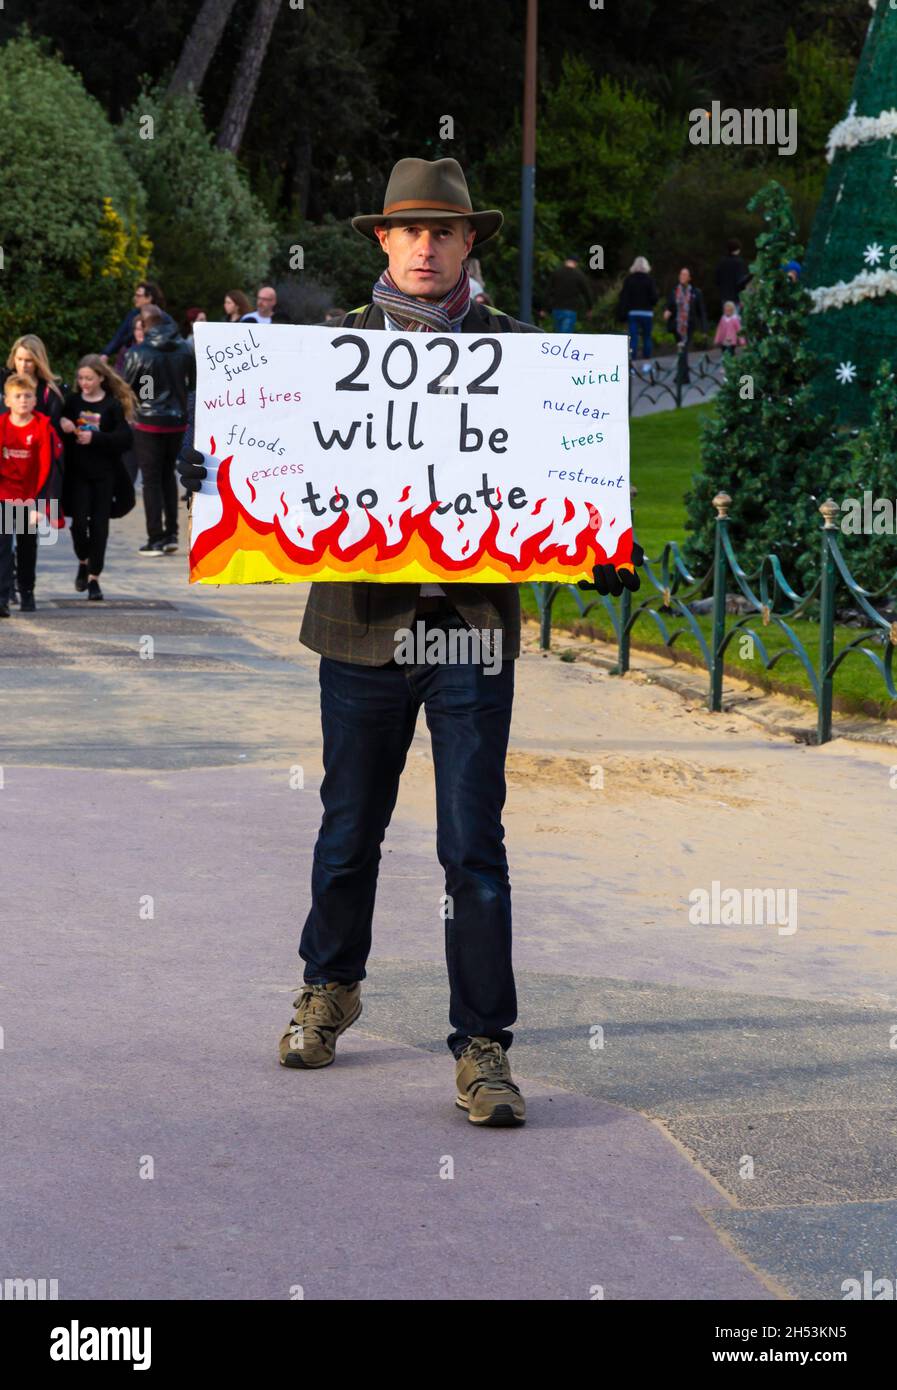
<point x="528" y="168"/>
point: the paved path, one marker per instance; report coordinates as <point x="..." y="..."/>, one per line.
<point x="659" y="394"/>
<point x="155" y="870"/>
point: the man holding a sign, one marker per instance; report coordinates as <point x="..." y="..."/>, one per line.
<point x="417" y="481"/>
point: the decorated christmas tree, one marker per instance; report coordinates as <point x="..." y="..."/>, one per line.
<point x="768" y="444"/>
<point x="851" y="268"/>
<point x="868" y="524"/>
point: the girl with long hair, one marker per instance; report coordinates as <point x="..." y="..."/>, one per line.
<point x="236" y="305"/>
<point x="95" y="423"/>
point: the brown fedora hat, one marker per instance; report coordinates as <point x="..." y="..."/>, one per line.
<point x="435" y="190"/>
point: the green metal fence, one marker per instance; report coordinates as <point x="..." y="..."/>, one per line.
<point x="672" y="380"/>
<point x="668" y="589"/>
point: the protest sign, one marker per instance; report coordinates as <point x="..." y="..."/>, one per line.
<point x="409" y="457"/>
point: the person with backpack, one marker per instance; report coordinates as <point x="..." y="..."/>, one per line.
<point x="635" y="308"/>
<point x="162" y="373"/>
<point x="95" y="422"/>
<point x="370" y="702"/>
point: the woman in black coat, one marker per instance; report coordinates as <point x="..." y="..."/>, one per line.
<point x="636" y="307"/>
<point x="95" y="424"/>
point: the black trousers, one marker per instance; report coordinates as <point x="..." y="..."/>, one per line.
<point x="25" y="548"/>
<point x="91" y="499"/>
<point x="685" y="348"/>
<point x="157" y="455"/>
<point x="132" y="467"/>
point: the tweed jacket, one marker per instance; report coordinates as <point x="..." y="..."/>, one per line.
<point x="357" y="622"/>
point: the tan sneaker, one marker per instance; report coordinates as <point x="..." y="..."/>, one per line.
<point x="322" y="1013"/>
<point x="485" y="1088"/>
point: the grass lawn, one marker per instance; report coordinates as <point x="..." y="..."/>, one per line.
<point x="665" y="453"/>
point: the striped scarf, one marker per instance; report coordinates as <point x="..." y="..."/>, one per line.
<point x="683" y="309"/>
<point x="423" y="315"/>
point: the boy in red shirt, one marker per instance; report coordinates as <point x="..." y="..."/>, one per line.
<point x="28" y="452"/>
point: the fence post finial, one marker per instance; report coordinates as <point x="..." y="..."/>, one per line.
<point x="830" y="510"/>
<point x="722" y="501"/>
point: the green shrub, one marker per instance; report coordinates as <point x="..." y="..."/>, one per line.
<point x="701" y="204"/>
<point x="767" y="444"/>
<point x="71" y="210"/>
<point x="209" y="231"/>
<point x="817" y="80"/>
<point x="600" y="146"/>
<point x="339" y="269"/>
<point x="873" y="558"/>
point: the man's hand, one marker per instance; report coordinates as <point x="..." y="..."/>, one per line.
<point x="84" y="436"/>
<point x="195" y="468"/>
<point x="613" y="579"/>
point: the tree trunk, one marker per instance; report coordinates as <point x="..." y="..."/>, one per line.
<point x="242" y="92"/>
<point x="200" y="44"/>
<point x="299" y="173"/>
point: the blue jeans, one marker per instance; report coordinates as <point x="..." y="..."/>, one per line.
<point x="368" y="714"/>
<point x="564" y="320"/>
<point x="640" y="323"/>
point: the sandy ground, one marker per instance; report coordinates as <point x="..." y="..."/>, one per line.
<point x="623" y="798"/>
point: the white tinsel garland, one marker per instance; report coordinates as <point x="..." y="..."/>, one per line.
<point x="869" y="284"/>
<point x="859" y="130"/>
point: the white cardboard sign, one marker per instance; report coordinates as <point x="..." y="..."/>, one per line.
<point x="397" y="457"/>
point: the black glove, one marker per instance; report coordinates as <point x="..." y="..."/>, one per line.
<point x="613" y="579"/>
<point x="192" y="470"/>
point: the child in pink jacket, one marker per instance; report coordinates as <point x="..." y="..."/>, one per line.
<point x="728" y="332"/>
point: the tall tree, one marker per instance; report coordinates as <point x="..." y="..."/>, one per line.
<point x="850" y="263"/>
<point x="242" y="92"/>
<point x="768" y="444"/>
<point x="200" y="44"/>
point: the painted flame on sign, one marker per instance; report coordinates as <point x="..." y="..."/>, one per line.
<point x="419" y="543"/>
